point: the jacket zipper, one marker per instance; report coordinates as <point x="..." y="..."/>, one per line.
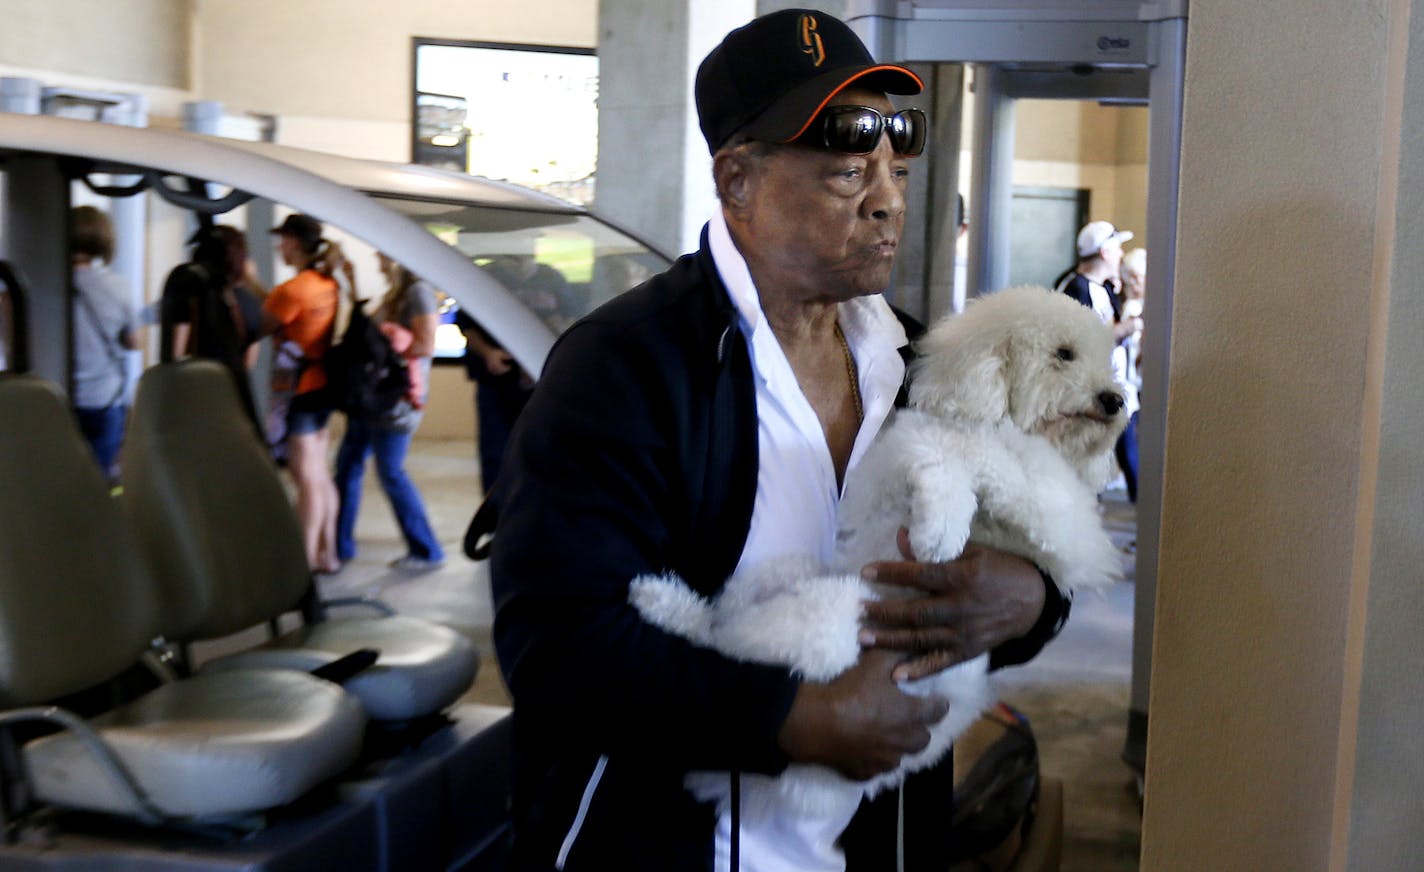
<point x="584" y="803"/>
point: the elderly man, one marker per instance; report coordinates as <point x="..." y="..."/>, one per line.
<point x="704" y="422"/>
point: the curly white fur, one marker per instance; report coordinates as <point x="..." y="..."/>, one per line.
<point x="1008" y="439"/>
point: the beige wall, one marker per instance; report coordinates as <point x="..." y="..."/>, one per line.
<point x="1382" y="782"/>
<point x="450" y="408"/>
<point x="1081" y="144"/>
<point x="1079" y="131"/>
<point x="143" y="42"/>
<point x="348" y="62"/>
<point x="1077" y="144"/>
<point x="1270" y="546"/>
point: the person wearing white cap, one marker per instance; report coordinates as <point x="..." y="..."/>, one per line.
<point x="1092" y="282"/>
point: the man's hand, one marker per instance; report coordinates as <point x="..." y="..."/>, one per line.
<point x="970" y="604"/>
<point x="861" y="723"/>
<point x="252" y="279"/>
<point x="498" y="361"/>
<point x="1126" y="327"/>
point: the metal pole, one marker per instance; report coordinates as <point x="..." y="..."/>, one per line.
<point x="943" y="240"/>
<point x="1164" y="150"/>
<point x="36" y="221"/>
<point x="991" y="191"/>
<point x="130" y="215"/>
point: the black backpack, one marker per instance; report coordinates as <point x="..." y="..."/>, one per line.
<point x="364" y="375"/>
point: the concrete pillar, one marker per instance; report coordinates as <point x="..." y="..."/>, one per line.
<point x="830" y="7"/>
<point x="654" y="172"/>
<point x="923" y="283"/>
<point x="38" y="226"/>
<point x="1383" y="739"/>
<point x="36" y="221"/>
<point x="130" y="215"/>
<point x="1285" y="704"/>
<point x="991" y="193"/>
<point x="23" y="97"/>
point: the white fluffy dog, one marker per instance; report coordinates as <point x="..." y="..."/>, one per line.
<point x="1008" y="438"/>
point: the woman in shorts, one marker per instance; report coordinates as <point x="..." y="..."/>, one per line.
<point x="302" y="313"/>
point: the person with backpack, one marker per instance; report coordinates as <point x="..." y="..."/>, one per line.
<point x="302" y="313"/>
<point x="105" y="331"/>
<point x="407" y="315"/>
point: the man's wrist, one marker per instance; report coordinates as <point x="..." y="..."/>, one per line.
<point x="804" y="723"/>
<point x="1052" y="617"/>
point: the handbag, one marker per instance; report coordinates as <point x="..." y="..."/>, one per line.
<point x="288" y="362"/>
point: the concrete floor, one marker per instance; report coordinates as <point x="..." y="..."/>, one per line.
<point x="1075" y="694"/>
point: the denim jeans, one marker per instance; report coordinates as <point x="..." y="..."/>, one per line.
<point x="104" y="430"/>
<point x="390" y="447"/>
<point x="1126" y="452"/>
<point x="498" y="402"/>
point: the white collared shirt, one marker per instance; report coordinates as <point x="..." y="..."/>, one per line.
<point x="1102" y="301"/>
<point x="797" y="501"/>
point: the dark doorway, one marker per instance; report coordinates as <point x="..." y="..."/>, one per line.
<point x="1044" y="232"/>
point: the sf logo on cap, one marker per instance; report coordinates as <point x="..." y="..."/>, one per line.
<point x="811" y="41"/>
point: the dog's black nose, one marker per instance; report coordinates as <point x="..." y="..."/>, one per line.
<point x="1111" y="401"/>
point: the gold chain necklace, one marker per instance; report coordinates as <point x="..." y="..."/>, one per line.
<point x="851" y="374"/>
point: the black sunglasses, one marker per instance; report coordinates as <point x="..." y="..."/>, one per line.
<point x="857" y="129"/>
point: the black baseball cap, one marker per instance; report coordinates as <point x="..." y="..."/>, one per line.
<point x="305" y="228"/>
<point x="770" y="77"/>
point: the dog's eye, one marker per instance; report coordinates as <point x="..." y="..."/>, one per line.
<point x="1066" y="353"/>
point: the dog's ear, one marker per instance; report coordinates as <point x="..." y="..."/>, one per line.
<point x="961" y="370"/>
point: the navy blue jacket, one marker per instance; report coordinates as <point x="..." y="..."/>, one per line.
<point x="638" y="454"/>
<point x="1077" y="288"/>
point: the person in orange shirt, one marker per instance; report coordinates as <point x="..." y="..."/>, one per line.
<point x="302" y="313"/>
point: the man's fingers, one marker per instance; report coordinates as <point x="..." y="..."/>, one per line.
<point x="902" y="539"/>
<point x="922" y="643"/>
<point x="910" y="614"/>
<point x="927" y="665"/>
<point x="927" y="577"/>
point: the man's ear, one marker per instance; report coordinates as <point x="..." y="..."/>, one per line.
<point x="732" y="173"/>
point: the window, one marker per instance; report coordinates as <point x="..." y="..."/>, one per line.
<point x="527" y="114"/>
<point x="561" y="265"/>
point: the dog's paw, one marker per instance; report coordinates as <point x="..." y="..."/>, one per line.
<point x="940" y="524"/>
<point x="934" y="541"/>
<point x="942" y="506"/>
